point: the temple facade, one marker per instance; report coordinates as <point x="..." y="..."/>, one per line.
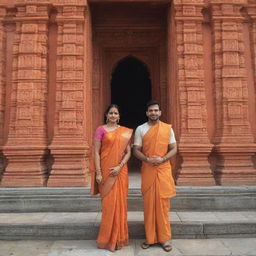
<point x="63" y="61"/>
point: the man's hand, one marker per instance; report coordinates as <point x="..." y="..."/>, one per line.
<point x="155" y="160"/>
<point x="114" y="170"/>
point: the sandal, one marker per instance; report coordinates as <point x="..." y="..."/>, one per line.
<point x="167" y="247"/>
<point x="144" y="245"/>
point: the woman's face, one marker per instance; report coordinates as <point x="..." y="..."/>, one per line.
<point x="113" y="115"/>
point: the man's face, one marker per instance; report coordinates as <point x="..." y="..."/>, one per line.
<point x="153" y="113"/>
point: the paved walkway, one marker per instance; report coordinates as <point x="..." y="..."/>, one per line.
<point x="181" y="247"/>
<point x="94" y="217"/>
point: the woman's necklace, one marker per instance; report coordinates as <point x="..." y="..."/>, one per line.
<point x="111" y="127"/>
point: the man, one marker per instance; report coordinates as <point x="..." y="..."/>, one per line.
<point x="154" y="145"/>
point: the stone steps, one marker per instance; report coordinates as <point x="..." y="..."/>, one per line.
<point x="72" y="213"/>
<point x="217" y="198"/>
<point x="84" y="225"/>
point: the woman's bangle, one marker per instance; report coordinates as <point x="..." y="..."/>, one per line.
<point x="164" y="159"/>
<point x="121" y="165"/>
<point x="98" y="171"/>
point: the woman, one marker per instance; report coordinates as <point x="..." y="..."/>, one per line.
<point x="111" y="153"/>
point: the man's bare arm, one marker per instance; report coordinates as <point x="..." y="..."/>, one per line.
<point x="138" y="153"/>
<point x="172" y="151"/>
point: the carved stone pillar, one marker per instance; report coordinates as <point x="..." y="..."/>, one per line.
<point x="251" y="10"/>
<point x="26" y="144"/>
<point x="2" y="86"/>
<point x="254" y="39"/>
<point x="194" y="146"/>
<point x="234" y="140"/>
<point x="69" y="146"/>
<point x="251" y="22"/>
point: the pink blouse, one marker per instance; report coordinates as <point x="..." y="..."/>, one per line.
<point x="99" y="133"/>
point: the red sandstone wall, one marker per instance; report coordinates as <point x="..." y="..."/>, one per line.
<point x="46" y="52"/>
<point x="45" y="91"/>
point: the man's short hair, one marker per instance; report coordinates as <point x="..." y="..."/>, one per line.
<point x="153" y="102"/>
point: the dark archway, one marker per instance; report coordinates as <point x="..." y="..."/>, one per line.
<point x="131" y="90"/>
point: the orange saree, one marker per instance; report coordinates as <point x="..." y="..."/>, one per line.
<point x="113" y="231"/>
<point x="157" y="185"/>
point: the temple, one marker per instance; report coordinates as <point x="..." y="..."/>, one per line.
<point x="63" y="61"/>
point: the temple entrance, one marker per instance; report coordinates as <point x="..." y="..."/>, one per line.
<point x="131" y="90"/>
<point x="129" y="42"/>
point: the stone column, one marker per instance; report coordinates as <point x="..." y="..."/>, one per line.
<point x="251" y="10"/>
<point x="70" y="145"/>
<point x="194" y="146"/>
<point x="2" y="85"/>
<point x="251" y="23"/>
<point x="254" y="38"/>
<point x="26" y="144"/>
<point x="253" y="16"/>
<point x="234" y="140"/>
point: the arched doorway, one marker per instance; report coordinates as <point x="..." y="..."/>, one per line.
<point x="131" y="90"/>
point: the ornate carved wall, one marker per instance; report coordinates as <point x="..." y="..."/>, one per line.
<point x="194" y="146"/>
<point x="202" y="61"/>
<point x="234" y="139"/>
<point x="69" y="146"/>
<point x="2" y="81"/>
<point x="48" y="122"/>
<point x="26" y="143"/>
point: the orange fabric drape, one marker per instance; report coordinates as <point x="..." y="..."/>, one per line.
<point x="157" y="185"/>
<point x="113" y="231"/>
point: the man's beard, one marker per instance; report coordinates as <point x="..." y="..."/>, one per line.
<point x="153" y="119"/>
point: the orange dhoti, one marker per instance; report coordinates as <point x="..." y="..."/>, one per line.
<point x="157" y="185"/>
<point x="113" y="231"/>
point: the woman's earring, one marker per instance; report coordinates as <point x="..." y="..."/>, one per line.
<point x="118" y="120"/>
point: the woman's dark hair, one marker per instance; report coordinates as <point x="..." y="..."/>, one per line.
<point x="107" y="110"/>
<point x="153" y="102"/>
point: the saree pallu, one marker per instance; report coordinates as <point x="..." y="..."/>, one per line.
<point x="113" y="231"/>
<point x="157" y="185"/>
